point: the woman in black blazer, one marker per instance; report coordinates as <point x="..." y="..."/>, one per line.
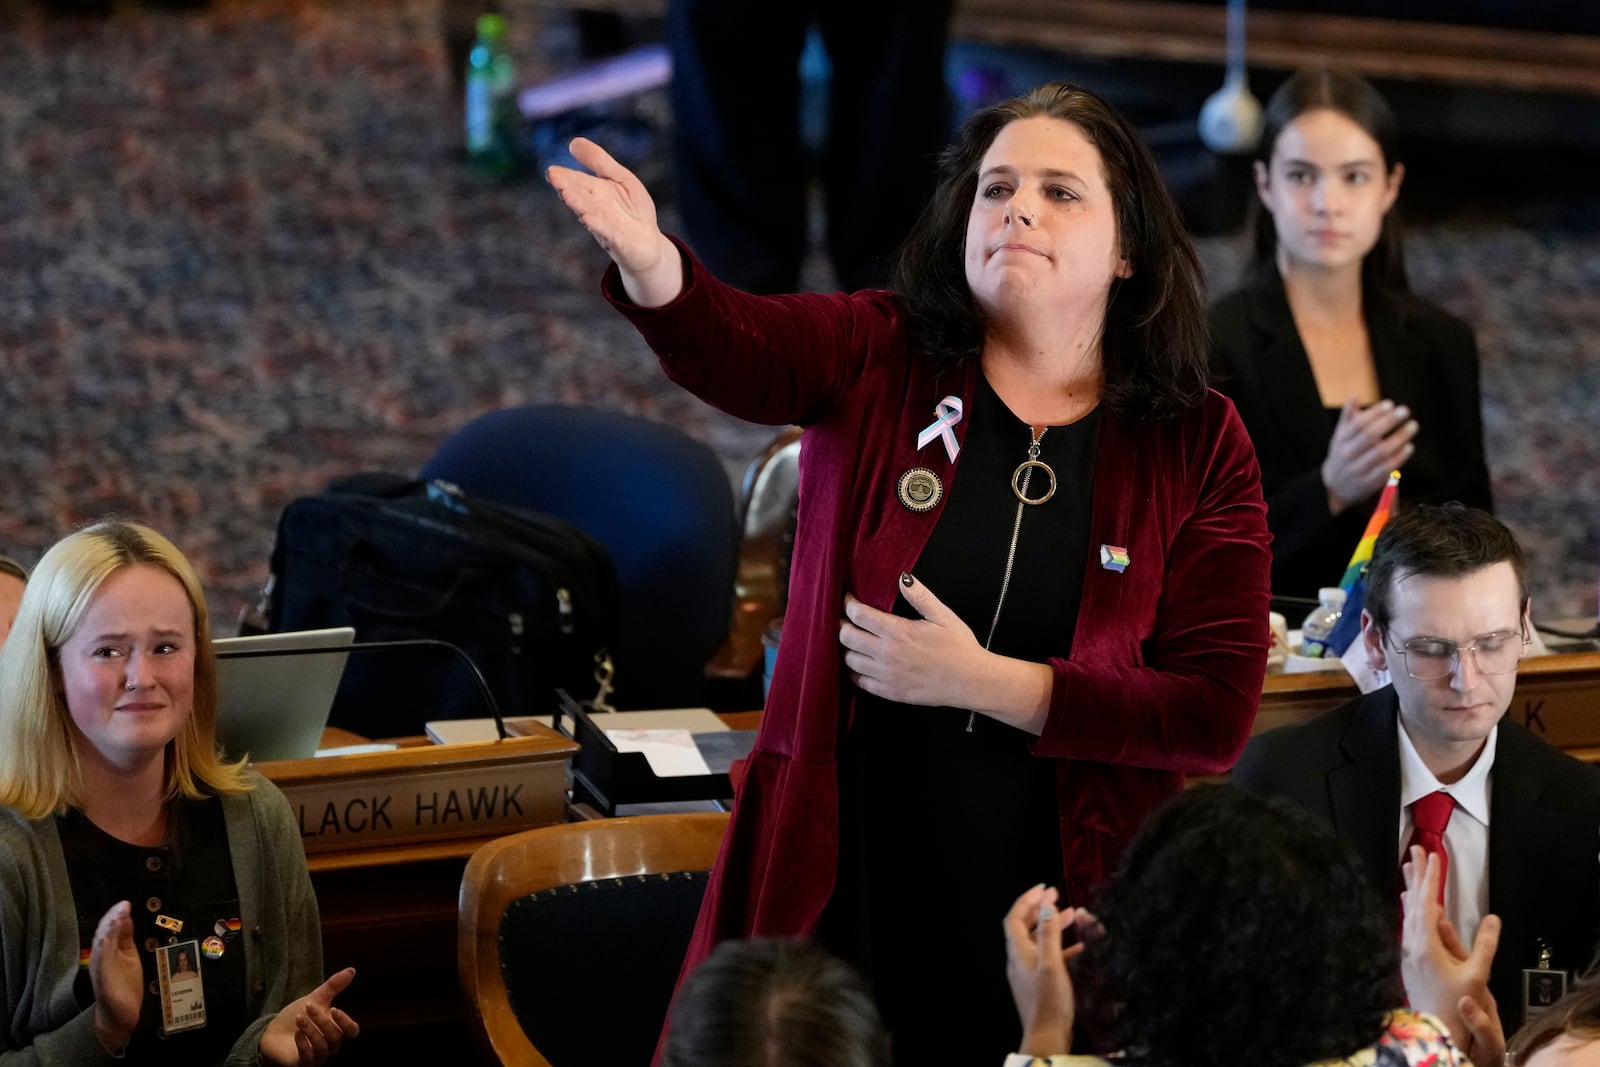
<point x="1340" y="372"/>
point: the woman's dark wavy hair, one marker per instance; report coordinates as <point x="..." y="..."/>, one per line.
<point x="1353" y="97"/>
<point x="1241" y="931"/>
<point x="769" y="1002"/>
<point x="1153" y="347"/>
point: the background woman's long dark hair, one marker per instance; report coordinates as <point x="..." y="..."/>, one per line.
<point x="1354" y="98"/>
<point x="1154" y="343"/>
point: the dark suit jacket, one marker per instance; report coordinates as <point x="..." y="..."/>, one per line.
<point x="1544" y="825"/>
<point x="1426" y="359"/>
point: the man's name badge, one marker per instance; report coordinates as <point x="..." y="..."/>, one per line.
<point x="1114" y="558"/>
<point x="1542" y="986"/>
<point x="183" y="998"/>
<point x="920" y="489"/>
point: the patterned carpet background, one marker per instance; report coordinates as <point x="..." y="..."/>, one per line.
<point x="239" y="256"/>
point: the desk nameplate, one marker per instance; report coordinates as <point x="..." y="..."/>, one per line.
<point x="431" y="793"/>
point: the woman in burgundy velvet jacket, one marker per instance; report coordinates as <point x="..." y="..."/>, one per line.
<point x="1024" y="426"/>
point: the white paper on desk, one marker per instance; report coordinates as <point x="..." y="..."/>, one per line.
<point x="695" y="720"/>
<point x="1355" y="661"/>
<point x="671" y="753"/>
<point x="358" y="750"/>
<point x="692" y="720"/>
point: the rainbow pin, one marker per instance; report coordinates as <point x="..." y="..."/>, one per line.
<point x="1114" y="558"/>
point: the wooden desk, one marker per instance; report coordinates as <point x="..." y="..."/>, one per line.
<point x="1557" y="697"/>
<point x="389" y="909"/>
<point x="391" y="914"/>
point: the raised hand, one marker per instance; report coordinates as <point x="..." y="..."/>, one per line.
<point x="309" y="1030"/>
<point x="1441" y="975"/>
<point x="614" y="206"/>
<point x="1367" y="444"/>
<point x="117" y="977"/>
<point x="1036" y="968"/>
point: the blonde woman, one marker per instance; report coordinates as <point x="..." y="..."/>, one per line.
<point x="124" y="837"/>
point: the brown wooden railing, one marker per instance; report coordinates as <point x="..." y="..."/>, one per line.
<point x="1407" y="49"/>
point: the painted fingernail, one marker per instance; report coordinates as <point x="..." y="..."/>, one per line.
<point x="1046" y="912"/>
<point x="1401" y="412"/>
<point x="906" y="579"/>
<point x="1386" y="405"/>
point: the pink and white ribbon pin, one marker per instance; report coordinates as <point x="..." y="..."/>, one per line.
<point x="949" y="412"/>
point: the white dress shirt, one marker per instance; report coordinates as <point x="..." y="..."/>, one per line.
<point x="1466" y="838"/>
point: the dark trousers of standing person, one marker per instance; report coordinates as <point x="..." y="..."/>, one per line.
<point x="742" y="172"/>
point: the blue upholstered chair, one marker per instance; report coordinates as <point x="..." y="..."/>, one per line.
<point x="657" y="499"/>
<point x="570" y="937"/>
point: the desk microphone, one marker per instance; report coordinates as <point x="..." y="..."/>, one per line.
<point x="403" y="642"/>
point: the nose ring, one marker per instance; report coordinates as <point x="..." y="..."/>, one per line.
<point x="130" y="687"/>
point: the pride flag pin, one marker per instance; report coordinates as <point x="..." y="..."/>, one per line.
<point x="1114" y="558"/>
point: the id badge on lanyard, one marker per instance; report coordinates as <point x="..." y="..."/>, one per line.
<point x="183" y="997"/>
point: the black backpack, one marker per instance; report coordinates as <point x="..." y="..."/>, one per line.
<point x="531" y="599"/>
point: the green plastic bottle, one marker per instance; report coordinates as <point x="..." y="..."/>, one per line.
<point x="493" y="122"/>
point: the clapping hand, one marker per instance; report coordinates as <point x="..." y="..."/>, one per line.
<point x="309" y="1030"/>
<point x="1367" y="444"/>
<point x="1036" y="968"/>
<point x="1440" y="975"/>
<point x="117" y="977"/>
<point x="614" y="206"/>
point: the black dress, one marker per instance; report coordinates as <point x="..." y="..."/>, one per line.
<point x="941" y="828"/>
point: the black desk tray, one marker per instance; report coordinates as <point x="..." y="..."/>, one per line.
<point x="604" y="778"/>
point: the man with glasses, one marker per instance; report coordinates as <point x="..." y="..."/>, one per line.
<point x="1431" y="759"/>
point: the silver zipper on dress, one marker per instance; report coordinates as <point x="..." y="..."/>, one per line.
<point x="1011" y="556"/>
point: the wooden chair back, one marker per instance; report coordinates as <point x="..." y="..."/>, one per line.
<point x="631" y="851"/>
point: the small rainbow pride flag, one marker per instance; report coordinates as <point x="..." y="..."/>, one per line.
<point x="1354" y="582"/>
<point x="1363" y="553"/>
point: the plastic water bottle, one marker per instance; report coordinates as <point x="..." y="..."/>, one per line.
<point x="1319" y="624"/>
<point x="493" y="122"/>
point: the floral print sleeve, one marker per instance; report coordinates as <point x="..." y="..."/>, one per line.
<point x="1409" y="1039"/>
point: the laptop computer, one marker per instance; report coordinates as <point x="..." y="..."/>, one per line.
<point x="274" y="691"/>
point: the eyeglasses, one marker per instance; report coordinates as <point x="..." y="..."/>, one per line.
<point x="1428" y="659"/>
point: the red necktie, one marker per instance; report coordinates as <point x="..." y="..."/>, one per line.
<point x="1429" y="816"/>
